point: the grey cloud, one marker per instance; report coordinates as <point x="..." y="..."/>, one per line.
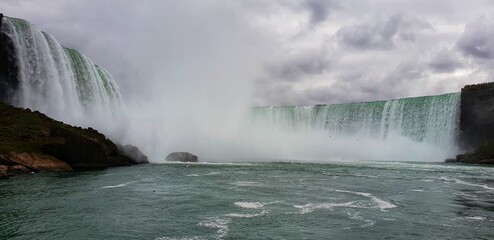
<point x="404" y="72"/>
<point x="381" y="35"/>
<point x="319" y="10"/>
<point x="275" y="93"/>
<point x="315" y="63"/>
<point x="478" y="39"/>
<point x="164" y="47"/>
<point x="346" y="87"/>
<point x="365" y="36"/>
<point x="340" y="92"/>
<point x="359" y="87"/>
<point x="445" y="61"/>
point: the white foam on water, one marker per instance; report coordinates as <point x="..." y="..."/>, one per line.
<point x="377" y="203"/>
<point x="246" y="184"/>
<point x="458" y="181"/>
<point x="241" y="164"/>
<point x="310" y="207"/>
<point x="357" y="216"/>
<point x="205" y="174"/>
<point x="179" y="238"/>
<point x="477" y="218"/>
<point x="381" y="204"/>
<point x="119" y="185"/>
<point x="250" y="205"/>
<point x="416" y="190"/>
<point x="220" y="224"/>
<point x="365" y="176"/>
<point x="246" y="215"/>
<point x="254" y="205"/>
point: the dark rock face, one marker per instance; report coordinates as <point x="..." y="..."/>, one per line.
<point x="181" y="157"/>
<point x="133" y="152"/>
<point x="8" y="66"/>
<point x="18" y="169"/>
<point x="482" y="155"/>
<point x="87" y="150"/>
<point x="40" y="143"/>
<point x="477" y="115"/>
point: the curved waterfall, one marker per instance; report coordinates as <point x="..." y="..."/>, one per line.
<point x="58" y="81"/>
<point x="423" y="122"/>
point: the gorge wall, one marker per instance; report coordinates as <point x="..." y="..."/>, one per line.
<point x="477" y="115"/>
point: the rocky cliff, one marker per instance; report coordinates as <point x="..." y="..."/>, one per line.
<point x="482" y="155"/>
<point x="477" y="115"/>
<point x="477" y="124"/>
<point x="36" y="142"/>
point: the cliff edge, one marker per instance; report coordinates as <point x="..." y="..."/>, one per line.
<point x="477" y="124"/>
<point x="477" y="115"/>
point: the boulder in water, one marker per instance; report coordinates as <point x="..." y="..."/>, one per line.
<point x="133" y="152"/>
<point x="181" y="157"/>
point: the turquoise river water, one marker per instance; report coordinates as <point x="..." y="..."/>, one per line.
<point x="357" y="200"/>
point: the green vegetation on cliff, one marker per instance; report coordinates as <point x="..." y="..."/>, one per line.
<point x="23" y="131"/>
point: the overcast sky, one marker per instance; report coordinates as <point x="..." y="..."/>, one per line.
<point x="274" y="52"/>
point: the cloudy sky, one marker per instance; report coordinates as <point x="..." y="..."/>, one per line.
<point x="273" y="52"/>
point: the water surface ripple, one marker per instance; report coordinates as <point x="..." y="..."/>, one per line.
<point x="253" y="201"/>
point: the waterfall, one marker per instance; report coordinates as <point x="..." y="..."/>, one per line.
<point x="68" y="86"/>
<point x="429" y="123"/>
<point x="58" y="81"/>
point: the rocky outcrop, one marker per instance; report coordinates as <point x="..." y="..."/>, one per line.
<point x="18" y="169"/>
<point x="86" y="148"/>
<point x="19" y="162"/>
<point x="477" y="115"/>
<point x="482" y="155"/>
<point x="39" y="143"/>
<point x="133" y="152"/>
<point x="181" y="157"/>
<point x="477" y="124"/>
<point x="8" y="171"/>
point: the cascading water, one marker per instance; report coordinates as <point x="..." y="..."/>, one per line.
<point x="68" y="86"/>
<point x="58" y="81"/>
<point x="422" y="128"/>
